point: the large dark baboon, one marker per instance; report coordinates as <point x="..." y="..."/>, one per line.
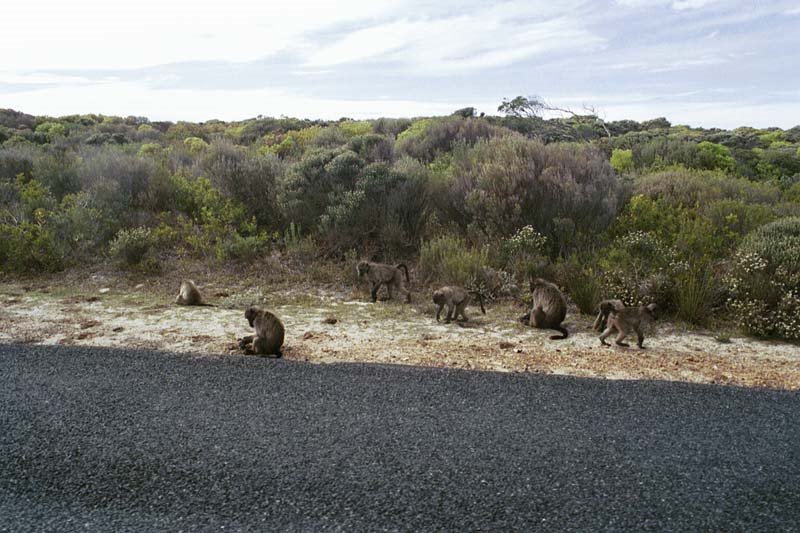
<point x="456" y="299"/>
<point x="269" y="332"/>
<point x="549" y="308"/>
<point x="383" y="274"/>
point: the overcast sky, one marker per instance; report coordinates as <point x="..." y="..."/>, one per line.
<point x="721" y="63"/>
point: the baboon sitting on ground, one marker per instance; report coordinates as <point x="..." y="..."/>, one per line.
<point x="269" y="333"/>
<point x="189" y="294"/>
<point x="549" y="308"/>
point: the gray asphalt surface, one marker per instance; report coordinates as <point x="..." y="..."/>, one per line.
<point x="111" y="440"/>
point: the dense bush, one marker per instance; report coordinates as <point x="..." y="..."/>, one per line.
<point x="485" y="201"/>
<point x="131" y="246"/>
<point x="765" y="280"/>
<point x="505" y="183"/>
<point x="448" y="261"/>
<point x="249" y="180"/>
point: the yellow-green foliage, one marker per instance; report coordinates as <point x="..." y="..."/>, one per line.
<point x="51" y="129"/>
<point x="195" y="145"/>
<point x="767" y="139"/>
<point x="715" y="156"/>
<point x="416" y="129"/>
<point x="622" y="160"/>
<point x="351" y="128"/>
<point x="150" y="150"/>
<point x="291" y="144"/>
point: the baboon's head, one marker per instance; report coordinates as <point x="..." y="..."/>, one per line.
<point x="250" y="314"/>
<point x="438" y="297"/>
<point x="536" y="283"/>
<point x="362" y="268"/>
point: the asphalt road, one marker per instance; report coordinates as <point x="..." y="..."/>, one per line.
<point x="110" y="440"/>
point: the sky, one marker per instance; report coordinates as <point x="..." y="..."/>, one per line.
<point x="709" y="63"/>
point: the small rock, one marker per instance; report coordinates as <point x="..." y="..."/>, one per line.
<point x="330" y="320"/>
<point x="139" y="286"/>
<point x="104" y="290"/>
<point x="307" y="335"/>
<point x="117" y="329"/>
<point x="89" y="324"/>
<point x="222" y="294"/>
<point x="505" y="345"/>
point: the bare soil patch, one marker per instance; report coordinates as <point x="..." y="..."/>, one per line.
<point x="326" y="326"/>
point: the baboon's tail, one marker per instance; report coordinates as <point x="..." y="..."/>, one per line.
<point x="564" y="333"/>
<point x="405" y="268"/>
<point x="480" y="300"/>
<point x="600" y="321"/>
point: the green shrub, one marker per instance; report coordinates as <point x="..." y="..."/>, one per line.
<point x="622" y="160"/>
<point x="503" y="184"/>
<point x="28" y="247"/>
<point x="238" y="248"/>
<point x="583" y="283"/>
<point x="131" y="246"/>
<point x="696" y="292"/>
<point x="246" y="179"/>
<point x="640" y="268"/>
<point x="765" y="280"/>
<point x="447" y="260"/>
<point x="525" y="254"/>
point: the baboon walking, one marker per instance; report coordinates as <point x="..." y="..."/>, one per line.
<point x="383" y="274"/>
<point x="627" y="320"/>
<point x="605" y="308"/>
<point x="189" y="294"/>
<point x="269" y="333"/>
<point x="549" y="308"/>
<point x="456" y="299"/>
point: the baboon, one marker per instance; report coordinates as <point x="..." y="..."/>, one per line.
<point x="456" y="299"/>
<point x="627" y="320"/>
<point x="549" y="308"/>
<point x="383" y="274"/>
<point x="189" y="294"/>
<point x="269" y="333"/>
<point x="603" y="309"/>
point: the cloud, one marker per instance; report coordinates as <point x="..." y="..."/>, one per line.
<point x="50" y="34"/>
<point x="485" y="38"/>
<point x="678" y="5"/>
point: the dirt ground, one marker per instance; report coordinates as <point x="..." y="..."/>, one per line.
<point x="326" y="325"/>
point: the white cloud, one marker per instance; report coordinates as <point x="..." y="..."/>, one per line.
<point x="678" y="5"/>
<point x="87" y="34"/>
<point x="489" y="37"/>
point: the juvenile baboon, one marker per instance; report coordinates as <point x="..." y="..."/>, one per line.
<point x="627" y="320"/>
<point x="189" y="294"/>
<point x="604" y="308"/>
<point x="456" y="299"/>
<point x="383" y="274"/>
<point x="269" y="333"/>
<point x="549" y="308"/>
